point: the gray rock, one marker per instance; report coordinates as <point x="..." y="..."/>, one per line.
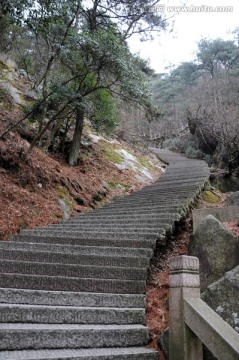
<point x="216" y="248"/>
<point x="233" y="199"/>
<point x="222" y="297"/>
<point x="13" y="91"/>
<point x="163" y="342"/>
<point x="227" y="213"/>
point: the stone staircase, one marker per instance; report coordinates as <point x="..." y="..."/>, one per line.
<point x="76" y="290"/>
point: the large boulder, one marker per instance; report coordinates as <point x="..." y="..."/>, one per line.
<point x="222" y="297"/>
<point x="217" y="250"/>
<point x="233" y="199"/>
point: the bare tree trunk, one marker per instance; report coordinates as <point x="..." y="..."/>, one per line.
<point x="39" y="135"/>
<point x="75" y="146"/>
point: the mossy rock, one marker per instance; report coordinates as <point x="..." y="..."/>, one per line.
<point x="110" y="154"/>
<point x="211" y="197"/>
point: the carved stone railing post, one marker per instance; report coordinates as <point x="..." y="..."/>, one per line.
<point x="184" y="283"/>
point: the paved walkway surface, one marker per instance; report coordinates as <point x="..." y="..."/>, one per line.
<point x="76" y="290"/>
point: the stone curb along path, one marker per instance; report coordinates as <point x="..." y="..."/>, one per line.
<point x="76" y="290"/>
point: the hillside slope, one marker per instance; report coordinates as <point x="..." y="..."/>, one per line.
<point x="43" y="189"/>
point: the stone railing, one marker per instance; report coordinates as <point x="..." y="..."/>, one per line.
<point x="192" y="322"/>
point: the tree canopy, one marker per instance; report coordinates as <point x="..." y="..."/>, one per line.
<point x="76" y="54"/>
<point x="202" y="97"/>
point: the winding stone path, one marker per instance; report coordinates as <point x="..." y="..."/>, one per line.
<point x="76" y="290"/>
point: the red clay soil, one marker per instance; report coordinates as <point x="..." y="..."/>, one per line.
<point x="157" y="314"/>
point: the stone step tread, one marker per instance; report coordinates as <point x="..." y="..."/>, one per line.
<point x="145" y="199"/>
<point x="137" y="210"/>
<point x="50" y="257"/>
<point x="65" y="327"/>
<point x="72" y="270"/>
<point x="146" y="202"/>
<point x="134" y="353"/>
<point x="111" y="228"/>
<point x="71" y="241"/>
<point x="139" y="204"/>
<point x="157" y="193"/>
<point x="161" y="213"/>
<point x="22" y="313"/>
<point x="136" y="227"/>
<point x="134" y="214"/>
<point x="76" y="249"/>
<point x="71" y="284"/>
<point x="120" y="223"/>
<point x="157" y="207"/>
<point x="113" y="235"/>
<point x="131" y="231"/>
<point x="19" y="336"/>
<point x="75" y="299"/>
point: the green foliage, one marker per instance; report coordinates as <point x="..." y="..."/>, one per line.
<point x="76" y="54"/>
<point x="185" y="145"/>
<point x="193" y="153"/>
<point x="145" y="163"/>
<point x="115" y="184"/>
<point x="34" y="110"/>
<point x="216" y="54"/>
<point x="104" y="111"/>
<point x="174" y="144"/>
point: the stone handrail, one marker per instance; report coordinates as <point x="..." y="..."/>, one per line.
<point x="192" y="322"/>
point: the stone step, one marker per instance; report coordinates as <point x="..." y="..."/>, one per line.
<point x="141" y="212"/>
<point x="70" y="241"/>
<point x="132" y="353"/>
<point x="180" y="176"/>
<point x="72" y="271"/>
<point x="155" y="230"/>
<point x="75" y="249"/>
<point x="180" y="169"/>
<point x="121" y="219"/>
<point x="72" y="284"/>
<point x="159" y="206"/>
<point x="126" y="221"/>
<point x="140" y="201"/>
<point x="110" y="234"/>
<point x="153" y="212"/>
<point x="42" y="314"/>
<point x="151" y="227"/>
<point x="183" y="182"/>
<point x="146" y="200"/>
<point x="197" y="171"/>
<point x="157" y="193"/>
<point x="50" y="257"/>
<point x="64" y="298"/>
<point x="50" y="336"/>
<point x="115" y="227"/>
